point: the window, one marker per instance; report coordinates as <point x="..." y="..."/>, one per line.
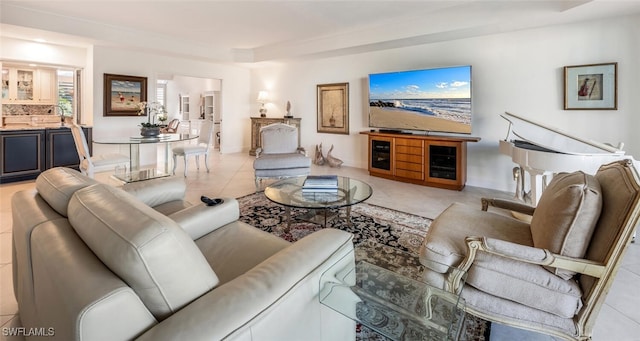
<point x="161" y="92"/>
<point x="67" y="92"/>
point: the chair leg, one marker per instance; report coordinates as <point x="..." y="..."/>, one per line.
<point x="197" y="162"/>
<point x="174" y="164"/>
<point x="206" y="161"/>
<point x="185" y="166"/>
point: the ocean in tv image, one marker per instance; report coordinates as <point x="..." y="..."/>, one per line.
<point x="430" y="99"/>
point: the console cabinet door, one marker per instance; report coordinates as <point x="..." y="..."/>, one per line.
<point x="381" y="155"/>
<point x="22" y="153"/>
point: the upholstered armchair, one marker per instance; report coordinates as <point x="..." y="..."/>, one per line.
<point x="280" y="154"/>
<point x="172" y="127"/>
<point x="550" y="274"/>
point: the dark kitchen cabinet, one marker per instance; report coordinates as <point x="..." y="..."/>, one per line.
<point x="26" y="153"/>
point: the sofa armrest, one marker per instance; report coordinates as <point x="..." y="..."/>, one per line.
<point x="507" y="205"/>
<point x="240" y="304"/>
<point x="525" y="254"/>
<point x="157" y="191"/>
<point x="199" y="220"/>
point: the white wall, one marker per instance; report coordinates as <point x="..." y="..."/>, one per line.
<point x="520" y="72"/>
<point x="234" y="99"/>
<point x="193" y="87"/>
<point x="41" y="53"/>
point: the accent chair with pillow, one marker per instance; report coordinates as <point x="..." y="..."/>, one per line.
<point x="550" y="275"/>
<point x="280" y="155"/>
<point x="172" y="127"/>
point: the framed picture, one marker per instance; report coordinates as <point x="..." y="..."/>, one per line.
<point x="333" y="108"/>
<point x="591" y="87"/>
<point x="123" y="94"/>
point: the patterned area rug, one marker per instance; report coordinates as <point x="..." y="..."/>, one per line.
<point x="398" y="232"/>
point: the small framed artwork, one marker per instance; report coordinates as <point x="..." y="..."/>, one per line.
<point x="333" y="108"/>
<point x="591" y="87"/>
<point x="123" y="94"/>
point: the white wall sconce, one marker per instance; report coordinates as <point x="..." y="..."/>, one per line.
<point x="263" y="97"/>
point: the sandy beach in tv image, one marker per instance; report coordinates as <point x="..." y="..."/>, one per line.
<point x="439" y="99"/>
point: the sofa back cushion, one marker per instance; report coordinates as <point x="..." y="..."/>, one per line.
<point x="149" y="251"/>
<point x="57" y="185"/>
<point x="566" y="215"/>
<point x="279" y="138"/>
<point x="158" y="191"/>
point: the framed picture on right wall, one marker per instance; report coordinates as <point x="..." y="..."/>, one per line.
<point x="591" y="87"/>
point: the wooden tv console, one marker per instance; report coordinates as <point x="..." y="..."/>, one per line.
<point x="429" y="160"/>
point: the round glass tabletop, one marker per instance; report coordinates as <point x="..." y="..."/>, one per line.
<point x="140" y="140"/>
<point x="289" y="192"/>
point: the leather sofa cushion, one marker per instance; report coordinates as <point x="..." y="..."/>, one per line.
<point x="566" y="216"/>
<point x="156" y="192"/>
<point x="525" y="283"/>
<point x="57" y="185"/>
<point x="445" y="245"/>
<point x="230" y="260"/>
<point x="149" y="251"/>
<point x="281" y="161"/>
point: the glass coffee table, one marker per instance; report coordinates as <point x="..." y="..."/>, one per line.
<point x="321" y="206"/>
<point x="391" y="303"/>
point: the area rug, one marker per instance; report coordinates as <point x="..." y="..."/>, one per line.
<point x="390" y="233"/>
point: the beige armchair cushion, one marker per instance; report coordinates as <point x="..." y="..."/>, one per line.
<point x="445" y="244"/>
<point x="525" y="283"/>
<point x="566" y="216"/>
<point x="148" y="250"/>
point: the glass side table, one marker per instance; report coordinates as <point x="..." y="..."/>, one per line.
<point x="392" y="304"/>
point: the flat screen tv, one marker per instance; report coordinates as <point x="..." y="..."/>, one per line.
<point x="437" y="100"/>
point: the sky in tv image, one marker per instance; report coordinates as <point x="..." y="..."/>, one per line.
<point x="431" y="99"/>
<point x="454" y="82"/>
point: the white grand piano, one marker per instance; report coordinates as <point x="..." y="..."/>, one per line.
<point x="543" y="151"/>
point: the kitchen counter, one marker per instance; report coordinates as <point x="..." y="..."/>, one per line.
<point x="10" y="128"/>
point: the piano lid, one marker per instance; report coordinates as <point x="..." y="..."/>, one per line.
<point x="555" y="139"/>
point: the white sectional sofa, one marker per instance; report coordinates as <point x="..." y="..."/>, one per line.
<point x="96" y="262"/>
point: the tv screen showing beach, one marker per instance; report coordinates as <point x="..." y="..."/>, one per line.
<point x="427" y="100"/>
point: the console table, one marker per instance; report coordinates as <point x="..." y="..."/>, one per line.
<point x="430" y="160"/>
<point x="259" y="122"/>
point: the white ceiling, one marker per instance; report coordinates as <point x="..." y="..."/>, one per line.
<point x="254" y="31"/>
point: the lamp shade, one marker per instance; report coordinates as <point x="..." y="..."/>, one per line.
<point x="263" y="96"/>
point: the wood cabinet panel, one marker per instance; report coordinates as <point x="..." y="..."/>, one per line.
<point x="409" y="142"/>
<point x="409" y="150"/>
<point x="411" y="166"/>
<point x="409" y="174"/>
<point x="416" y="158"/>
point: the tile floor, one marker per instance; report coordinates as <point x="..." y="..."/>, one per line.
<point x="232" y="176"/>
